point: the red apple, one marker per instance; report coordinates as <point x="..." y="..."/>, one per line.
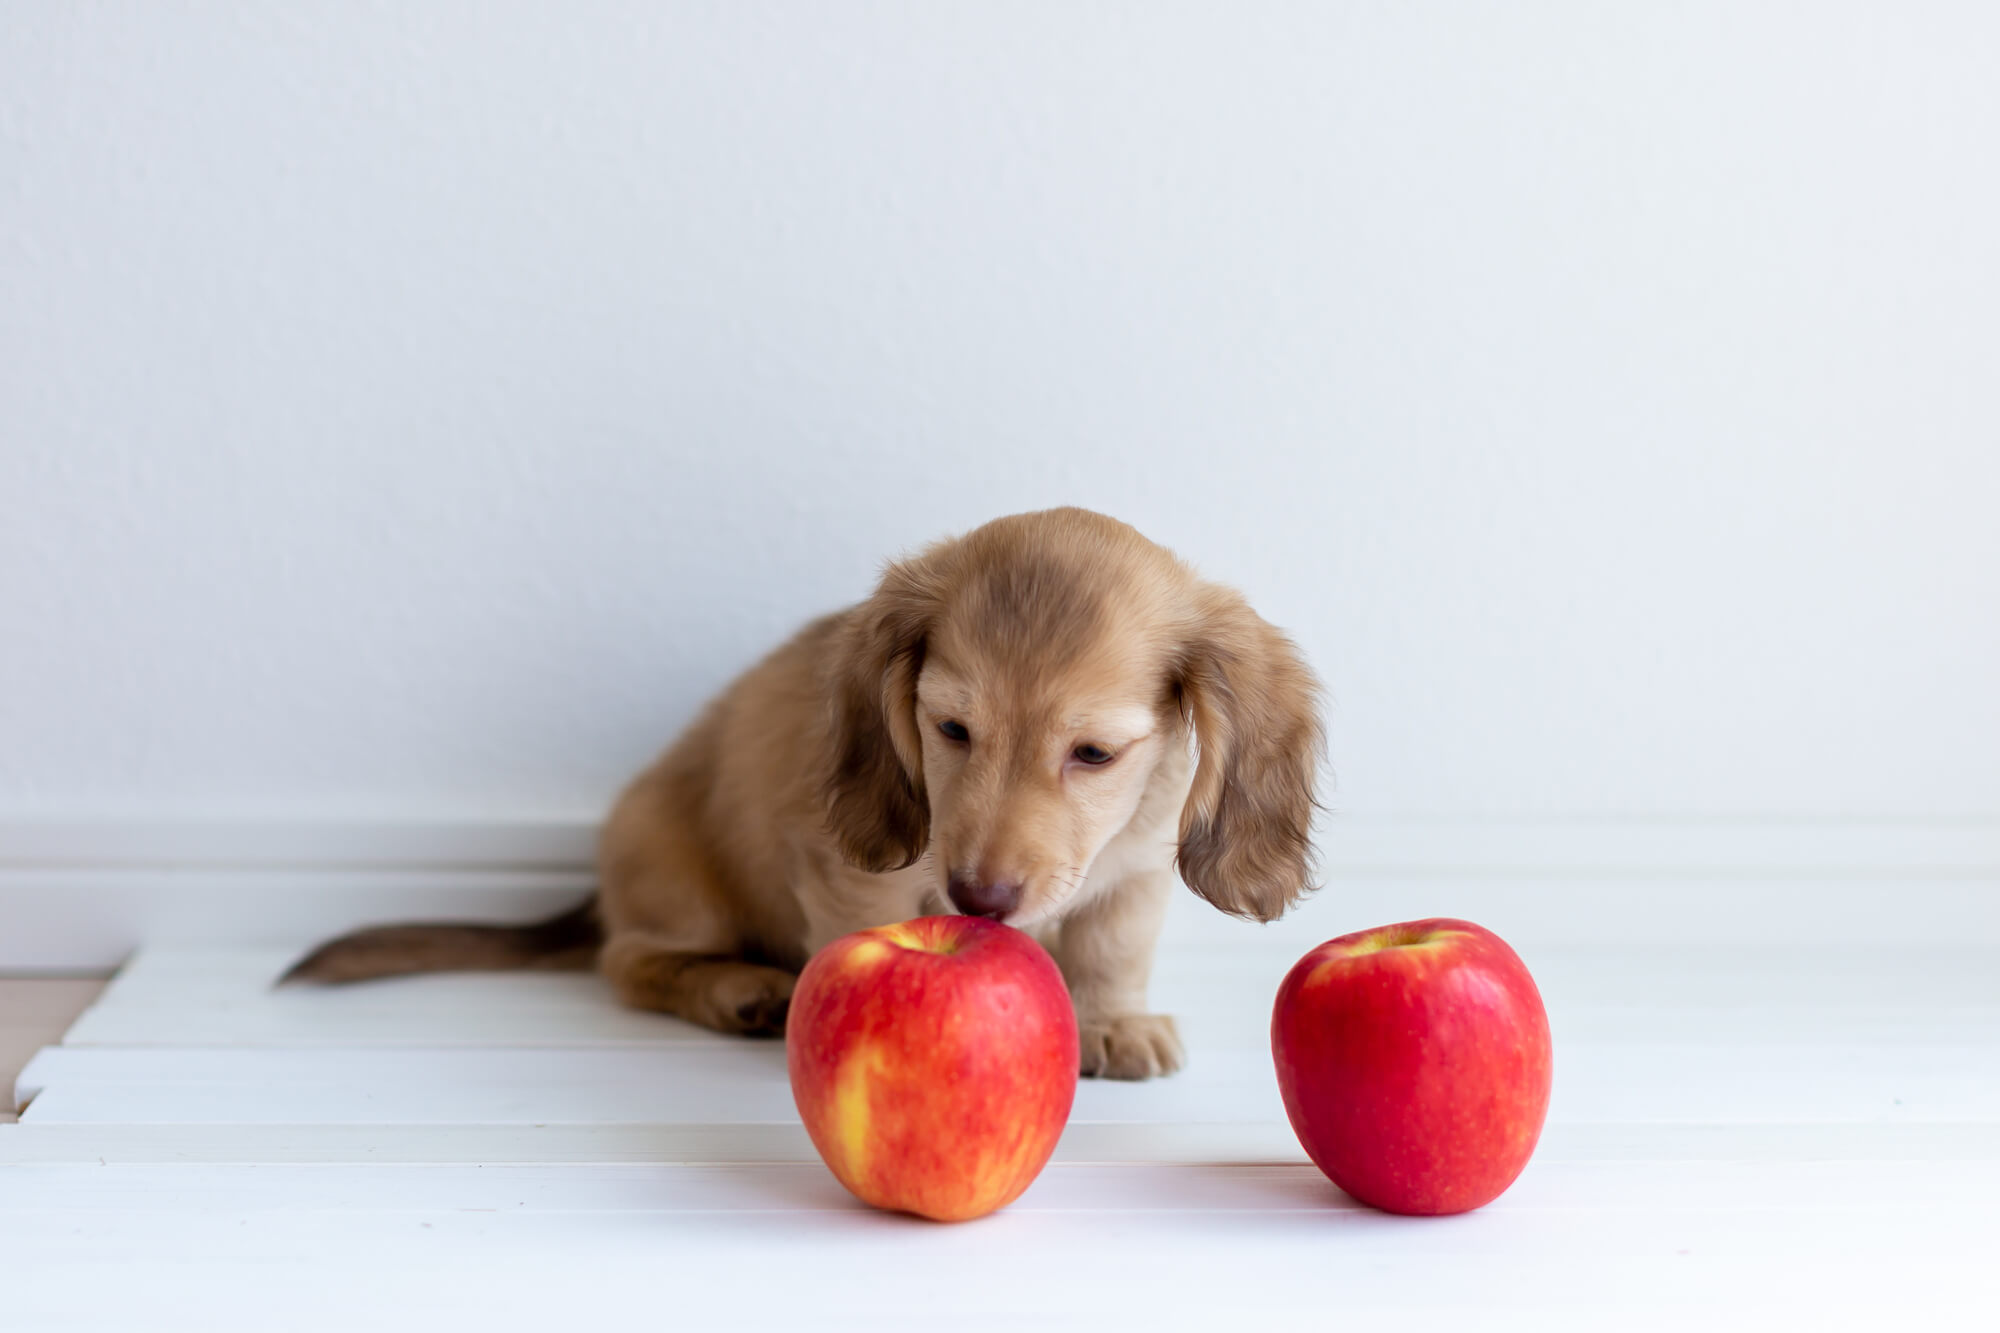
<point x="1414" y="1061"/>
<point x="933" y="1063"/>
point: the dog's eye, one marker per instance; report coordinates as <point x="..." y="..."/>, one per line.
<point x="1092" y="754"/>
<point x="954" y="731"/>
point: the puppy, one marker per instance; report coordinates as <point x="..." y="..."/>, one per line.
<point x="1036" y="722"/>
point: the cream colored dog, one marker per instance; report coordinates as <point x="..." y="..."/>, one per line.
<point x="1034" y="722"/>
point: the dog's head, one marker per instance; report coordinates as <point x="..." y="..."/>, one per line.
<point x="1008" y="700"/>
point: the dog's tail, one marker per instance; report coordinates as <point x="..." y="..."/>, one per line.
<point x="568" y="939"/>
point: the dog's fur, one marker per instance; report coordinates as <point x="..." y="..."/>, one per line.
<point x="819" y="795"/>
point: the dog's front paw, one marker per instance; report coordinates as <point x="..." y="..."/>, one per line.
<point x="1130" y="1046"/>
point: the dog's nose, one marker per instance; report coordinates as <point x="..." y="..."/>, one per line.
<point x="980" y="897"/>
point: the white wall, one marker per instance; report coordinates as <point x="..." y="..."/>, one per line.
<point x="420" y="408"/>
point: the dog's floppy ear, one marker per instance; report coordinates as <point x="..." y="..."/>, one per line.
<point x="1246" y="832"/>
<point x="873" y="782"/>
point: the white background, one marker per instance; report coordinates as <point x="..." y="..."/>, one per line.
<point x="422" y="408"/>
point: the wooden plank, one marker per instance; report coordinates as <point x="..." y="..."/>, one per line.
<point x="195" y="997"/>
<point x="784" y="1248"/>
<point x="738" y="1081"/>
<point x="1549" y="1185"/>
<point x="746" y="1081"/>
<point x="1263" y="1142"/>
<point x="689" y="1143"/>
<point x="222" y="996"/>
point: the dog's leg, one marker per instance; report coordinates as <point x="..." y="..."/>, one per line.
<point x="716" y="990"/>
<point x="673" y="941"/>
<point x="1106" y="952"/>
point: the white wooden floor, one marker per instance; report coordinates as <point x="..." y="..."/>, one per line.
<point x="1769" y="1138"/>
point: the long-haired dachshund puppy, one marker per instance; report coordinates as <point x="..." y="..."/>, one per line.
<point x="1036" y="722"/>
